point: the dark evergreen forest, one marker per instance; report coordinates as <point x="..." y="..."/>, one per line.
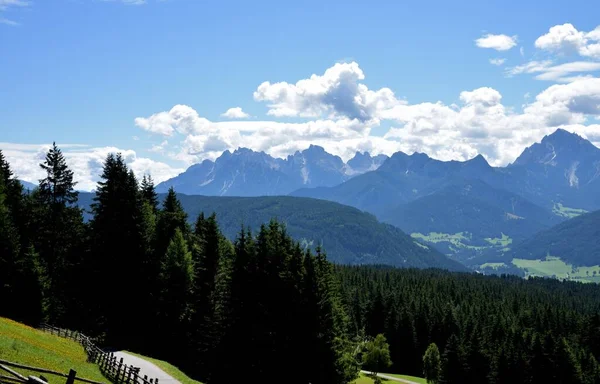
<point x="138" y="276"/>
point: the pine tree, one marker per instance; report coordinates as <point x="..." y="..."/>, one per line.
<point x="453" y="370"/>
<point x="149" y="192"/>
<point x="9" y="254"/>
<point x="58" y="185"/>
<point x="177" y="277"/>
<point x="209" y="258"/>
<point x="59" y="228"/>
<point x="118" y="253"/>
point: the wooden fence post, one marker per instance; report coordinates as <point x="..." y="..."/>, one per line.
<point x="119" y="369"/>
<point x="71" y="378"/>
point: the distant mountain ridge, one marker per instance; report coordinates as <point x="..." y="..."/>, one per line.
<point x="244" y="172"/>
<point x="550" y="181"/>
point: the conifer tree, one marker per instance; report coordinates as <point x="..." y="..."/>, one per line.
<point x="58" y="231"/>
<point x="177" y="277"/>
<point x="118" y="251"/>
<point x="149" y="192"/>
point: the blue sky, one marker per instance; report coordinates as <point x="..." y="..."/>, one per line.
<point x="153" y="78"/>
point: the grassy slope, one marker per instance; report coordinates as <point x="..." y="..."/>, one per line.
<point x="554" y="266"/>
<point x="169" y="369"/>
<point x="364" y="379"/>
<point x="575" y="241"/>
<point x="28" y="346"/>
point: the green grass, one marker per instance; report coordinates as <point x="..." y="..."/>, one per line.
<point x="410" y="378"/>
<point x="503" y="241"/>
<point x="561" y="210"/>
<point x="28" y="346"/>
<point x="492" y="265"/>
<point x="458" y="240"/>
<point x="554" y="266"/>
<point x="169" y="369"/>
<point x="365" y="379"/>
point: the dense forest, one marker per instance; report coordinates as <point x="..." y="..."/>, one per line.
<point x="262" y="307"/>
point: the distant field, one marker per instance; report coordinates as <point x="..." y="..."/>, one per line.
<point x="492" y="265"/>
<point x="554" y="266"/>
<point x="364" y="379"/>
<point x="561" y="210"/>
<point x="503" y="241"/>
<point x="459" y="240"/>
<point x="28" y="346"/>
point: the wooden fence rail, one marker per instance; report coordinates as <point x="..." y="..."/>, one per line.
<point x="113" y="369"/>
<point x="15" y="377"/>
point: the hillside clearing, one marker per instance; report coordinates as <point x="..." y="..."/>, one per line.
<point x="553" y="266"/>
<point x="28" y="346"/>
<point x="569" y="213"/>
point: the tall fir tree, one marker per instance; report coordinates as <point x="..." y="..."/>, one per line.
<point x="117" y="247"/>
<point x="59" y="229"/>
<point x="149" y="192"/>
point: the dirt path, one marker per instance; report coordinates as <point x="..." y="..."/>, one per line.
<point x="146" y="368"/>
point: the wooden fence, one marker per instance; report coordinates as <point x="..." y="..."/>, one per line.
<point x="15" y="377"/>
<point x="112" y="368"/>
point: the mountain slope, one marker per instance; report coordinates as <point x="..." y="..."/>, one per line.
<point x="471" y="217"/>
<point x="27" y="185"/>
<point x="248" y="173"/>
<point x="399" y="180"/>
<point x="575" y="241"/>
<point x="348" y="235"/>
<point x="563" y="168"/>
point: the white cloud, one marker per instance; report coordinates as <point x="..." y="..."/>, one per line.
<point x="562" y="73"/>
<point x="522" y="51"/>
<point x="86" y="162"/>
<point x="5" y="4"/>
<point x="566" y="39"/>
<point x="497" y="42"/>
<point x="498" y="61"/>
<point x="235" y="113"/>
<point x="338" y="93"/>
<point x="480" y="124"/>
<point x="12" y="23"/>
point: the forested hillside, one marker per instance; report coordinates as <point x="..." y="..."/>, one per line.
<point x="488" y="329"/>
<point x="260" y="308"/>
<point x="349" y="235"/>
<point x="576" y="241"/>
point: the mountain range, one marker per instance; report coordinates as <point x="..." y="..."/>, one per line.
<point x="464" y="208"/>
<point x="248" y="173"/>
<point x="471" y="208"/>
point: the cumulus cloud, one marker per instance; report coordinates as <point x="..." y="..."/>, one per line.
<point x="562" y="73"/>
<point x="235" y="113"/>
<point x="566" y="39"/>
<point x="497" y="42"/>
<point x="86" y="163"/>
<point x="498" y="61"/>
<point x="479" y="124"/>
<point x="338" y="93"/>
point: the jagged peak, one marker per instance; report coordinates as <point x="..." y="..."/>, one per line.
<point x="478" y="160"/>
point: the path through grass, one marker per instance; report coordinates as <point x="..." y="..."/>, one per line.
<point x="168" y="368"/>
